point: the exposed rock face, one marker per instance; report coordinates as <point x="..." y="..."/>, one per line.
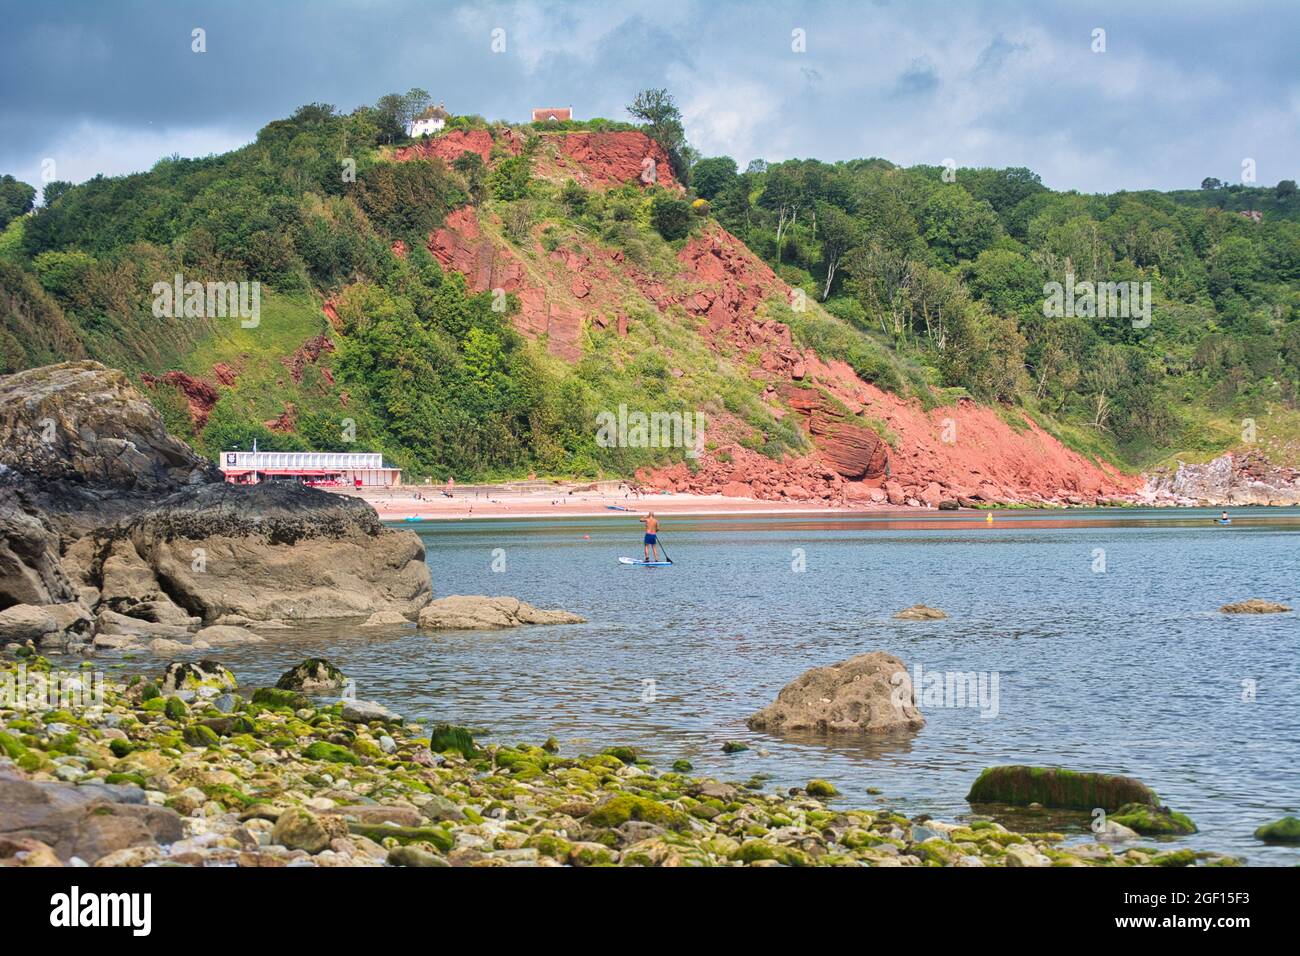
<point x="852" y="449"/>
<point x="1255" y="606"/>
<point x="481" y="613"/>
<point x="83" y="423"/>
<point x="201" y="396"/>
<point x="30" y="572"/>
<point x="461" y="246"/>
<point x="84" y="822"/>
<point x="612" y="159"/>
<point x="869" y="693"/>
<point x="100" y="507"/>
<point x="279" y="551"/>
<point x="1227" y="480"/>
<point x="449" y="145"/>
<point x="1054" y="787"/>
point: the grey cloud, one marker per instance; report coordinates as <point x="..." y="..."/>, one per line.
<point x="1176" y="96"/>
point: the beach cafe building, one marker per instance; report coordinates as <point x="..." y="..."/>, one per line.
<point x="326" y="468"/>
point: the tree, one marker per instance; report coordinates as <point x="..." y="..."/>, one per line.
<point x="16" y="199"/>
<point x="711" y="176"/>
<point x="839" y="234"/>
<point x="958" y="226"/>
<point x="656" y="108"/>
<point x="1285" y="189"/>
<point x="1210" y="182"/>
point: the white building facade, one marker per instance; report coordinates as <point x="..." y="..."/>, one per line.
<point x="326" y="468"/>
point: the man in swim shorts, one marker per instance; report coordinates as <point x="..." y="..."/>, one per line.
<point x="651" y="535"/>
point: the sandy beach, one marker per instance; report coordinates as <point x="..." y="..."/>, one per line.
<point x="543" y="500"/>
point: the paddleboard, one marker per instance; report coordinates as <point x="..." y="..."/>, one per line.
<point x="646" y="564"/>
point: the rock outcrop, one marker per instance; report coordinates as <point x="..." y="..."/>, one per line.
<point x="1249" y="479"/>
<point x="111" y="528"/>
<point x="614" y="158"/>
<point x="87" y="444"/>
<point x="1255" y="606"/>
<point x="88" y="823"/>
<point x="481" y="613"/>
<point x="869" y="693"/>
<point x="279" y="551"/>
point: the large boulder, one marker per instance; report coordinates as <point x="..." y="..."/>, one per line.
<point x="1055" y="787"/>
<point x="869" y="693"/>
<point x="87" y="442"/>
<point x="81" y="822"/>
<point x="279" y="551"/>
<point x="481" y="613"/>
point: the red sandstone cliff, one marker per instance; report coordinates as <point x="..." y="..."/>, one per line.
<point x="866" y="444"/>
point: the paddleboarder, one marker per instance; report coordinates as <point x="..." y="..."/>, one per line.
<point x="651" y="535"/>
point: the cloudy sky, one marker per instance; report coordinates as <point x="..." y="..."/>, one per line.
<point x="1183" y="90"/>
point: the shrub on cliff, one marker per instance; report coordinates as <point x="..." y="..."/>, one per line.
<point x="671" y="216"/>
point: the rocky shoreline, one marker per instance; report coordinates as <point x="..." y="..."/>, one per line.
<point x="184" y="769"/>
<point x="114" y="534"/>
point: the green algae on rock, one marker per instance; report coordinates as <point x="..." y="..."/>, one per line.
<point x="1153" y="821"/>
<point x="258" y="785"/>
<point x="1058" y="788"/>
<point x="1286" y="830"/>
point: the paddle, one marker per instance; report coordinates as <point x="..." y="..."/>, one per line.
<point x="660" y="542"/>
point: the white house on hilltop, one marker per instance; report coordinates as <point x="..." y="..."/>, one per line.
<point x="430" y="121"/>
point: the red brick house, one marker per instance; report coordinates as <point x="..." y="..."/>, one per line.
<point x="556" y="115"/>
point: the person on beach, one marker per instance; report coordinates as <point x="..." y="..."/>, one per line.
<point x="451" y="484"/>
<point x="651" y="535"/>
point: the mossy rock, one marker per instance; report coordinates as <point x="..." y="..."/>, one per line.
<point x="363" y="747"/>
<point x="11" y="746"/>
<point x="436" y="836"/>
<point x="1286" y="830"/>
<point x="1153" y="821"/>
<point x="120" y="747"/>
<point x="682" y="766"/>
<point x="1060" y="789"/>
<point x="126" y="778"/>
<point x="330" y="753"/>
<point x="1175" y="858"/>
<point x="547" y="844"/>
<point x="278" y="699"/>
<point x="175" y="709"/>
<point x="821" y="788"/>
<point x="313" y="674"/>
<point x="734" y="747"/>
<point x="626" y="754"/>
<point x="621" y="808"/>
<point x="197" y="735"/>
<point x="552" y="746"/>
<point x="445" y="737"/>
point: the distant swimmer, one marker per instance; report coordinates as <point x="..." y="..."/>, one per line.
<point x="651" y="536"/>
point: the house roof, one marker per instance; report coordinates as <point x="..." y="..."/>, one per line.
<point x="552" y="112"/>
<point x="434" y="112"/>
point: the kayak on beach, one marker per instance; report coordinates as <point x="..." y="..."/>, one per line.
<point x="646" y="564"/>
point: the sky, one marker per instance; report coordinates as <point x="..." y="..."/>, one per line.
<point x="1181" y="90"/>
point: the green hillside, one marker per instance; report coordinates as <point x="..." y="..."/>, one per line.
<point x="929" y="282"/>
